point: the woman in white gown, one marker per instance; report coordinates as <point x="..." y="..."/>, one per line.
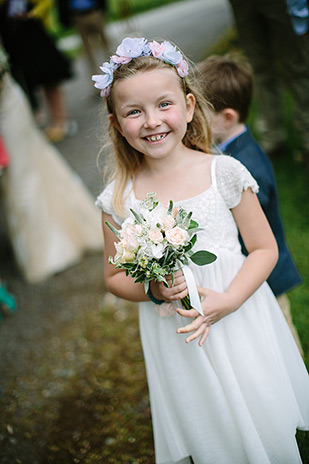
<point x="50" y="214"/>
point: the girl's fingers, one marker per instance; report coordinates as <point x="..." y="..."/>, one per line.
<point x="187" y="312"/>
<point x="194" y="325"/>
<point x="204" y="336"/>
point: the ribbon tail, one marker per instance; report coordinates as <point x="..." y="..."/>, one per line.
<point x="192" y="290"/>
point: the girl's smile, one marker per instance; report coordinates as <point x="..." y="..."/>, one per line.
<point x="152" y="112"/>
<point x="156" y="137"/>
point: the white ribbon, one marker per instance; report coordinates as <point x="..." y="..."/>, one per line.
<point x="192" y="289"/>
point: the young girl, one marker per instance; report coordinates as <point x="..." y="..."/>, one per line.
<point x="229" y="387"/>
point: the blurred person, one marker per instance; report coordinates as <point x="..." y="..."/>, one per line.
<point x="227" y="83"/>
<point x="87" y="16"/>
<point x="299" y="12"/>
<point x="7" y="300"/>
<point x="266" y="34"/>
<point x="36" y="63"/>
<point x="50" y="215"/>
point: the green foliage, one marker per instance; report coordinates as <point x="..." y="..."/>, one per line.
<point x="121" y="9"/>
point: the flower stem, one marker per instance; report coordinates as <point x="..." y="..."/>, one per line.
<point x="186" y="302"/>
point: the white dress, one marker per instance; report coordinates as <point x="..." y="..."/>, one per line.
<point x="51" y="217"/>
<point x="239" y="398"/>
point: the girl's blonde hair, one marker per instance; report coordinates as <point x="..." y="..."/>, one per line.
<point x="124" y="161"/>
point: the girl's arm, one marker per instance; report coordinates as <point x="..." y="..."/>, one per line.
<point x="263" y="254"/>
<point x="124" y="286"/>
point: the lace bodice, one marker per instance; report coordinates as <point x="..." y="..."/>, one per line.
<point x="211" y="208"/>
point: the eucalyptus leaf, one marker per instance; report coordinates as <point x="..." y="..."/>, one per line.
<point x="203" y="257"/>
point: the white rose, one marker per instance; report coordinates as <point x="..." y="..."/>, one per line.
<point x="176" y="236"/>
<point x="123" y="255"/>
<point x="157" y="250"/>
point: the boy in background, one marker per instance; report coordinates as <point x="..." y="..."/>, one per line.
<point x="227" y="83"/>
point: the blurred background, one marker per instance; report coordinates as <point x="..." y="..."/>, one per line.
<point x="72" y="378"/>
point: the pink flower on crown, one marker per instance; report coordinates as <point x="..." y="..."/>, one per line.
<point x="132" y="48"/>
<point x="167" y="52"/>
<point x="182" y="68"/>
<point x="120" y="59"/>
<point x="156" y="49"/>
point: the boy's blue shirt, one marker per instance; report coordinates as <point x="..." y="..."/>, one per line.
<point x="245" y="149"/>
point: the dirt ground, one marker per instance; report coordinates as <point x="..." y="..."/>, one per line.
<point x="73" y="386"/>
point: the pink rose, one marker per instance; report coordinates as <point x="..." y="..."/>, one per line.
<point x="176" y="236"/>
<point x="129" y="243"/>
<point x="156" y="235"/>
<point x="167" y="222"/>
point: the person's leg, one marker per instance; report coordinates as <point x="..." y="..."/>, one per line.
<point x="56" y="129"/>
<point x="89" y="25"/>
<point x="99" y="28"/>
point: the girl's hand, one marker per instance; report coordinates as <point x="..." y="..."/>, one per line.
<point x="215" y="306"/>
<point x="175" y="291"/>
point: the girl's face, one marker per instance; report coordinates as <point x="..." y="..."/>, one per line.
<point x="152" y="112"/>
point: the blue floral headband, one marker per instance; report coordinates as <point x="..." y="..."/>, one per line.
<point x="132" y="48"/>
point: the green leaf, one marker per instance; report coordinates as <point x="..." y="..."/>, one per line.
<point x="203" y="257"/>
<point x="128" y="265"/>
<point x="193" y="224"/>
<point x="170" y="208"/>
<point x="113" y="229"/>
<point x="137" y="216"/>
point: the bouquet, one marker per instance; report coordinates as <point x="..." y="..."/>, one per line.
<point x="156" y="241"/>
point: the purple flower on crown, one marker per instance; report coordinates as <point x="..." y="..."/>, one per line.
<point x="132" y="48"/>
<point x="103" y="81"/>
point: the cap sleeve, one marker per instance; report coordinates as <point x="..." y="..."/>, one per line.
<point x="232" y="178"/>
<point x="105" y="202"/>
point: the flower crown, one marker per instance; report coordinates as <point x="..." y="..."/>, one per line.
<point x="132" y="48"/>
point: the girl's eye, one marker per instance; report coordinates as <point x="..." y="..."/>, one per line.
<point x="164" y="104"/>
<point x="133" y="113"/>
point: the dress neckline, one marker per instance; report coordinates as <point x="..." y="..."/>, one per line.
<point x="211" y="186"/>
